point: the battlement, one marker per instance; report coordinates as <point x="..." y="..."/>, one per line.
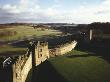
<point x="18" y="67"/>
<point x="41" y="52"/>
<point x="16" y="60"/>
<point x="21" y="59"/>
<point x="42" y="43"/>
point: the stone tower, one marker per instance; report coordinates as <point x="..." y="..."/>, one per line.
<point x="41" y="52"/>
<point x="90" y="34"/>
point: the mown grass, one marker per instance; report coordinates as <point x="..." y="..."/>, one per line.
<point x="77" y="66"/>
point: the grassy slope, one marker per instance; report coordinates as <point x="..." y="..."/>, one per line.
<point x="82" y="67"/>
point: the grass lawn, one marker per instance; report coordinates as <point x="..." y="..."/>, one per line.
<point x="75" y="66"/>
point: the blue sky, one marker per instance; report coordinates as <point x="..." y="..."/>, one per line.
<point x="68" y="3"/>
<point x="70" y="11"/>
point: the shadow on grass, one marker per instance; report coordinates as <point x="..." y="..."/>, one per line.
<point x="83" y="55"/>
<point x="45" y="72"/>
<point x="96" y="48"/>
<point x="20" y="44"/>
<point x="12" y="53"/>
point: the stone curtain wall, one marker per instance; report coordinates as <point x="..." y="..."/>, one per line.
<point x="62" y="49"/>
<point x="27" y="67"/>
<point x="21" y="65"/>
<point x="24" y="63"/>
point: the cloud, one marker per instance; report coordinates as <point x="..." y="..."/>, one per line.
<point x="28" y="11"/>
<point x="88" y="14"/>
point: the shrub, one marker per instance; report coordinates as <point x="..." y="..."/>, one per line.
<point x="4" y="33"/>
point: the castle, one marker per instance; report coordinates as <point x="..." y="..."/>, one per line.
<point x="16" y="69"/>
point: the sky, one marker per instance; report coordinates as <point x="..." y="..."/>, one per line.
<point x="54" y="11"/>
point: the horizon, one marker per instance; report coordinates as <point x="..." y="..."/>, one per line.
<point x="54" y="11"/>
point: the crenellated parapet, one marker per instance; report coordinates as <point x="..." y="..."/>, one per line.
<point x="20" y="66"/>
<point x="16" y="68"/>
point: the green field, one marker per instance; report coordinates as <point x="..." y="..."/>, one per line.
<point x="75" y="66"/>
<point x="26" y="32"/>
<point x="22" y="33"/>
<point x="8" y="50"/>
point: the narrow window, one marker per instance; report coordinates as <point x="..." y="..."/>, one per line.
<point x="40" y="50"/>
<point x="40" y="55"/>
